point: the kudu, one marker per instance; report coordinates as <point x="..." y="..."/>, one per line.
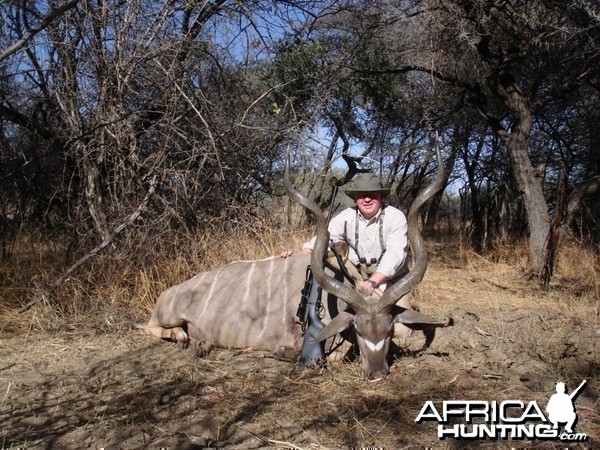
<point x="371" y="317"/>
<point x="252" y="304"/>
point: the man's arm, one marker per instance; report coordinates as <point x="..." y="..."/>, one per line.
<point x="396" y="243"/>
<point x="373" y="282"/>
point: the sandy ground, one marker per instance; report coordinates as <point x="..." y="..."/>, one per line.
<point x="116" y="387"/>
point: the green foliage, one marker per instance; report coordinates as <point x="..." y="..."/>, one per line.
<point x="304" y="70"/>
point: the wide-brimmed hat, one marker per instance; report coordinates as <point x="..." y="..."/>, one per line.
<point x="366" y="182"/>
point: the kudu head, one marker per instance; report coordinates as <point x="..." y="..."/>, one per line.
<point x="373" y="318"/>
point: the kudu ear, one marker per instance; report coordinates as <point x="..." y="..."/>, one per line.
<point x="338" y="324"/>
<point x="418" y="321"/>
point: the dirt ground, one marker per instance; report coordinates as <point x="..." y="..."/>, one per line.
<point x="113" y="386"/>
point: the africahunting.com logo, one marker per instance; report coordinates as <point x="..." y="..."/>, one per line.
<point x="510" y="419"/>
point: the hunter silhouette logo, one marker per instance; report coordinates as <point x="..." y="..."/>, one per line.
<point x="561" y="407"/>
<point x="509" y="419"/>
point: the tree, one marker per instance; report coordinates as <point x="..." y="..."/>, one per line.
<point x="510" y="61"/>
<point x="522" y="50"/>
<point x="99" y="97"/>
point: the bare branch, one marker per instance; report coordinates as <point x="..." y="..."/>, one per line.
<point x="211" y="139"/>
<point x="36" y="29"/>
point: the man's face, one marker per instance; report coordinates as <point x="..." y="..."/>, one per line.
<point x="369" y="203"/>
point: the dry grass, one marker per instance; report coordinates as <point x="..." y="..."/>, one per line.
<point x="118" y="287"/>
<point x="97" y="383"/>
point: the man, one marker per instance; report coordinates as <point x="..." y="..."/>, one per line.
<point x="376" y="235"/>
<point x="560" y="408"/>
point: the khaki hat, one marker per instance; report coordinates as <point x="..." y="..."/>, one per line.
<point x="365" y="182"/>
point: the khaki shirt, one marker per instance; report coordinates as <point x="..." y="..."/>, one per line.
<point x="343" y="228"/>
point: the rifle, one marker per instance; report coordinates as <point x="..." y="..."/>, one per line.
<point x="308" y="312"/>
<point x="310" y="302"/>
<point x="573" y="394"/>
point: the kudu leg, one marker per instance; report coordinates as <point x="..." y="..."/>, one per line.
<point x="201" y="348"/>
<point x="175" y="334"/>
<point x="401" y="331"/>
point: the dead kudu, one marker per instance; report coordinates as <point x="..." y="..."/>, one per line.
<point x="253" y="304"/>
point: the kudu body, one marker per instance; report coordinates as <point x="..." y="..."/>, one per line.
<point x="244" y="304"/>
<point x="253" y="304"/>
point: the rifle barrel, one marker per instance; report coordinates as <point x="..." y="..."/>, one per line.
<point x="576" y="391"/>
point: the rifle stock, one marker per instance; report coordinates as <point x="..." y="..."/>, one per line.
<point x="308" y="311"/>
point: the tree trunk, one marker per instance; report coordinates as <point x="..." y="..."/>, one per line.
<point x="529" y="185"/>
<point x="471" y="162"/>
<point x="502" y="84"/>
<point x="583" y="190"/>
<point x="432" y="213"/>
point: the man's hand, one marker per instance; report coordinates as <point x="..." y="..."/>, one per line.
<point x="366" y="287"/>
<point x="369" y="286"/>
<point x="289" y="252"/>
<point x="286" y="253"/>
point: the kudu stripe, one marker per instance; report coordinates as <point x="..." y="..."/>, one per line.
<point x="269" y="299"/>
<point x="211" y="290"/>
